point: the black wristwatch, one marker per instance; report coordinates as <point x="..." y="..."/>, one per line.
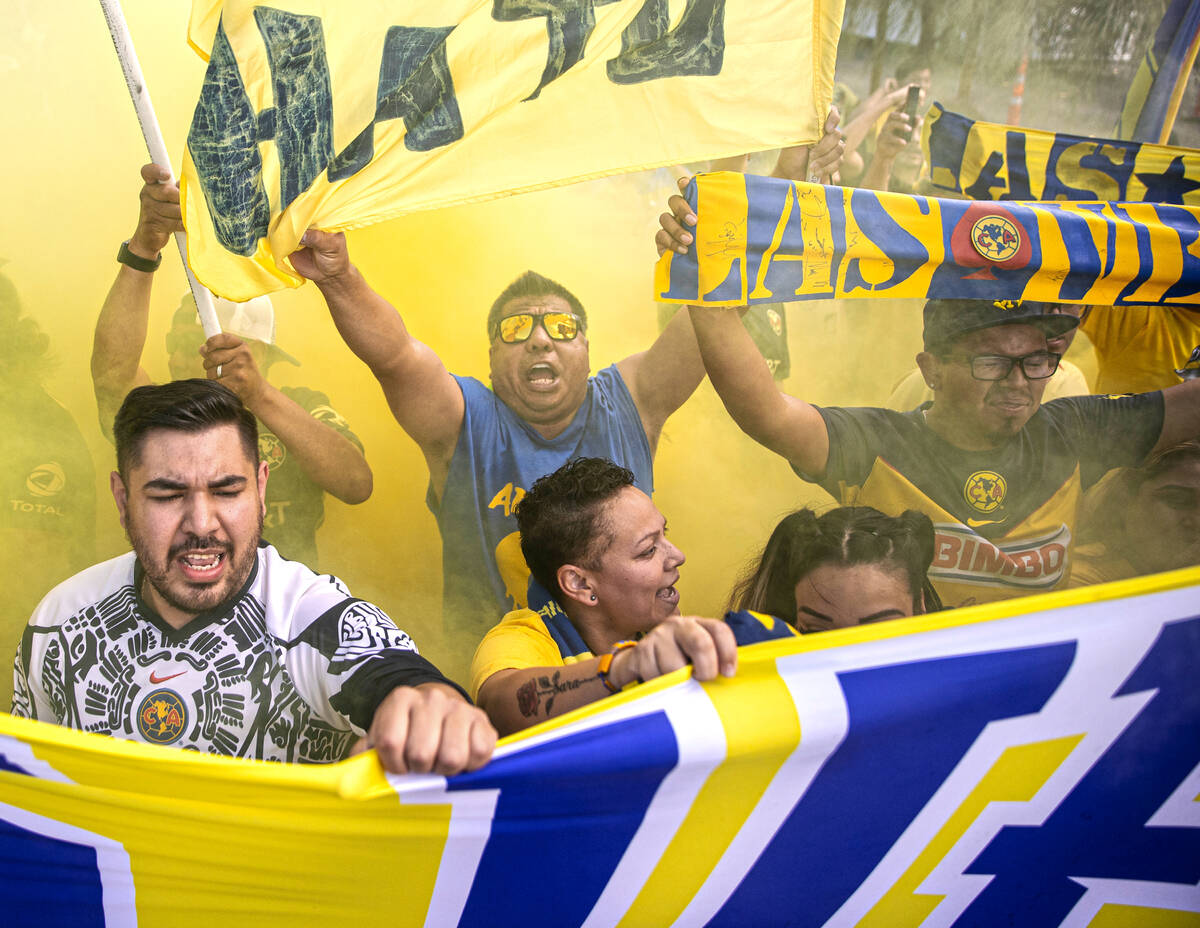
<point x="138" y="263"/>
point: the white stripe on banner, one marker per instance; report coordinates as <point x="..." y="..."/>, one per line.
<point x="820" y="735"/>
<point x="702" y="748"/>
<point x="1109" y="647"/>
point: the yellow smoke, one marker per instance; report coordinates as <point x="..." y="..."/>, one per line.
<point x="70" y="168"/>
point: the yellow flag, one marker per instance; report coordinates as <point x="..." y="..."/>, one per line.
<point x="341" y="115"/>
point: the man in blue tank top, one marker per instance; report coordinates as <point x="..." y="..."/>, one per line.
<point x="484" y="447"/>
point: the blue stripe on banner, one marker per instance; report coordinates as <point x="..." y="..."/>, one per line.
<point x="46" y="882"/>
<point x="909" y="726"/>
<point x="556" y="837"/>
<point x="685" y="269"/>
<point x="1189" y="231"/>
<point x="1100" y="830"/>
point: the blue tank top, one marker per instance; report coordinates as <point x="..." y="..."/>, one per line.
<point x="498" y="457"/>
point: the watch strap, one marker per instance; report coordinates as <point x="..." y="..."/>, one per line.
<point x="137" y="262"/>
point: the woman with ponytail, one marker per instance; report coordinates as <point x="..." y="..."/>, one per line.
<point x="850" y="566"/>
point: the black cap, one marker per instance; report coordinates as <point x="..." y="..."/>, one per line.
<point x="946" y="320"/>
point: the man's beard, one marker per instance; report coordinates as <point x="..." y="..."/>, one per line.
<point x="194" y="598"/>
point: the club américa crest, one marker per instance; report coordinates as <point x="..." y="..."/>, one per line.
<point x="162" y="717"/>
<point x="985" y="490"/>
<point x="996" y="237"/>
<point x="271" y="450"/>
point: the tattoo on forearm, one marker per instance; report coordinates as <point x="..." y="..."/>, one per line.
<point x="532" y="692"/>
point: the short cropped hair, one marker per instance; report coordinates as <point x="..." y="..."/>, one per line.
<point x="194" y="405"/>
<point x="561" y="518"/>
<point x="532" y="283"/>
<point x="847" y="536"/>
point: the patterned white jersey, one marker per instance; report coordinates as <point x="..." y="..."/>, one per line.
<point x="291" y="669"/>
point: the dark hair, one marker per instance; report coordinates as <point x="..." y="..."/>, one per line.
<point x="194" y="405"/>
<point x="1105" y="506"/>
<point x="532" y="283"/>
<point x="910" y="63"/>
<point x="561" y="518"/>
<point x="848" y="536"/>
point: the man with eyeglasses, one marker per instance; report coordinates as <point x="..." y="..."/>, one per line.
<point x="485" y="447"/>
<point x="999" y="473"/>
<point x="1067" y="379"/>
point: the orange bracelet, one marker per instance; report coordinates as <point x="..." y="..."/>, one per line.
<point x="606" y="663"/>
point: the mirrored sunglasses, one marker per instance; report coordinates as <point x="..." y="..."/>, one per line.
<point x="562" y="327"/>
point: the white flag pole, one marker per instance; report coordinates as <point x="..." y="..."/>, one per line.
<point x="154" y="142"/>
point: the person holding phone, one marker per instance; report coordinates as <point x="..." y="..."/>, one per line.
<point x="897" y="160"/>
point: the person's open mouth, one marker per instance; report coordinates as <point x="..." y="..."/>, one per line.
<point x="541" y="376"/>
<point x="201" y="566"/>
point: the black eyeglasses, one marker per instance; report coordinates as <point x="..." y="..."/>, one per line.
<point x="1036" y="366"/>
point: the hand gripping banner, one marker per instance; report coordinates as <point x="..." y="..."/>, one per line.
<point x="763" y="239"/>
<point x="1035" y="762"/>
<point x="339" y="115"/>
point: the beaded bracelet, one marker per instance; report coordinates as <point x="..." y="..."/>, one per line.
<point x="606" y="664"/>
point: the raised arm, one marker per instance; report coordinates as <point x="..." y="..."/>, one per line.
<point x="818" y="163"/>
<point x="120" y="332"/>
<point x="788" y="426"/>
<point x="424" y="398"/>
<point x="776" y="420"/>
<point x="328" y="458"/>
<point x="662" y="377"/>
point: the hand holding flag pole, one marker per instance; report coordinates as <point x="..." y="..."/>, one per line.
<point x="132" y="69"/>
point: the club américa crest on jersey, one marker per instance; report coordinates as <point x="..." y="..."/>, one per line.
<point x="985" y="490"/>
<point x="162" y="716"/>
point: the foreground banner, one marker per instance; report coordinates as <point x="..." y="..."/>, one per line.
<point x="339" y="115"/>
<point x="985" y="161"/>
<point x="768" y="240"/>
<point x="966" y="769"/>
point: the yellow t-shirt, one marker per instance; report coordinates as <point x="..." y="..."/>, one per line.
<point x="1138" y="348"/>
<point x="521" y="640"/>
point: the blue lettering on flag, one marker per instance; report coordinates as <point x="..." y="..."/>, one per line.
<point x="415" y="85"/>
<point x="650" y="51"/>
<point x="569" y="25"/>
<point x="909" y="726"/>
<point x="303" y="99"/>
<point x="1099" y="830"/>
<point x="223" y="141"/>
<point x="566" y="813"/>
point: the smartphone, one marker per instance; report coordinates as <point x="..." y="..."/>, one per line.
<point x="911" y="102"/>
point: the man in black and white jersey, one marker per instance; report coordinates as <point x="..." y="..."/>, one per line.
<point x="203" y="637"/>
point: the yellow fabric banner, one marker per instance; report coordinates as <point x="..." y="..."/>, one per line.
<point x="342" y="115"/>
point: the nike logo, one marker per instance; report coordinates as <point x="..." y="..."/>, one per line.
<point x="976" y="523"/>
<point x="155" y="678"/>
